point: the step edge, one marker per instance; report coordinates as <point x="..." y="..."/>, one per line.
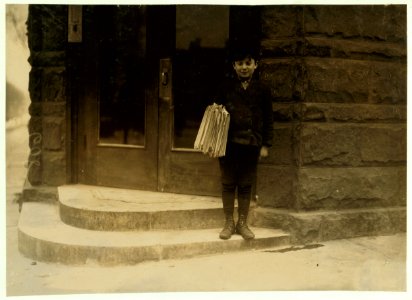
<point x="136" y="220"/>
<point x="34" y="233"/>
<point x="49" y="225"/>
<point x="38" y="249"/>
<point x="215" y="202"/>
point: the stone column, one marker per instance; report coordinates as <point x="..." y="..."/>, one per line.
<point x="47" y="35"/>
<point x="339" y="77"/>
<point x="352" y="142"/>
<point x="281" y="67"/>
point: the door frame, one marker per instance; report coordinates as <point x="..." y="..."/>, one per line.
<point x="194" y="167"/>
<point x="86" y="155"/>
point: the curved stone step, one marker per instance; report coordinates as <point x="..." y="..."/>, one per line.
<point x="113" y="209"/>
<point x="44" y="237"/>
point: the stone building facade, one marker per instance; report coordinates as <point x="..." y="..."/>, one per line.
<point x="338" y="164"/>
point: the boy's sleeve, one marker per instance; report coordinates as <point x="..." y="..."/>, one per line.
<point x="267" y="134"/>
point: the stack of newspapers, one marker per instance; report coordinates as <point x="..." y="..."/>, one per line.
<point x="212" y="136"/>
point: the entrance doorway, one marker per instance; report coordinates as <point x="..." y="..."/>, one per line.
<point x="146" y="75"/>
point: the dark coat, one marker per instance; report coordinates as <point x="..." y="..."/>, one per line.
<point x="251" y="116"/>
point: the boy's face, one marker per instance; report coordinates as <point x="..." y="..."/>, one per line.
<point x="245" y="67"/>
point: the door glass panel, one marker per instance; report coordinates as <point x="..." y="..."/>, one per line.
<point x="122" y="51"/>
<point x="202" y="33"/>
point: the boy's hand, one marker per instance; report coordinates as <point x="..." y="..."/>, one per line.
<point x="264" y="151"/>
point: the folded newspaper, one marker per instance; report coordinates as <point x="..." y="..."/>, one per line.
<point x="212" y="135"/>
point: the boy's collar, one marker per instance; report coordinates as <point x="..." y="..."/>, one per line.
<point x="245" y="80"/>
<point x="245" y="83"/>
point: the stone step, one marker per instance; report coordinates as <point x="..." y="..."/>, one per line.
<point x="113" y="209"/>
<point x="44" y="237"/>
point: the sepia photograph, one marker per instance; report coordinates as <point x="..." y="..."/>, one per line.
<point x="186" y="150"/>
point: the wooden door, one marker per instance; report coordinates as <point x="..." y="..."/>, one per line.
<point x="197" y="60"/>
<point x="118" y="113"/>
<point x="146" y="75"/>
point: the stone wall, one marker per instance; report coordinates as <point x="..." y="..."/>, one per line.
<point x="339" y="74"/>
<point x="47" y="87"/>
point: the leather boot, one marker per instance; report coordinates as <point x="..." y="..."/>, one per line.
<point x="243" y="229"/>
<point x="228" y="229"/>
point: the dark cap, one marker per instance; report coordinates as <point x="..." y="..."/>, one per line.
<point x="241" y="49"/>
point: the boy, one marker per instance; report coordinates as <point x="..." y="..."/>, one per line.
<point x="249" y="104"/>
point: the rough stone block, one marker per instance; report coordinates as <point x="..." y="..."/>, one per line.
<point x="35" y="109"/>
<point x="280" y="21"/>
<point x="362" y="223"/>
<point x="355" y="81"/>
<point x="54" y="109"/>
<point x="54" y="85"/>
<point x="340" y="188"/>
<point x="34" y="166"/>
<point x="53" y="133"/>
<point x="47" y="58"/>
<point x="54" y="168"/>
<point x="309" y="227"/>
<point x="284" y="112"/>
<point x="275" y="186"/>
<point x="35" y="128"/>
<point x="281" y="152"/>
<point x="342" y="112"/>
<point x="54" y="24"/>
<point x="354" y="49"/>
<point x="34" y="172"/>
<point x="35" y="84"/>
<point x="327" y="144"/>
<point x="284" y="77"/>
<point x="373" y="22"/>
<point x="34" y="27"/>
<point x="281" y="48"/>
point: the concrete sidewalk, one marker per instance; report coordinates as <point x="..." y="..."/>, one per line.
<point x="359" y="264"/>
<point x="362" y="264"/>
